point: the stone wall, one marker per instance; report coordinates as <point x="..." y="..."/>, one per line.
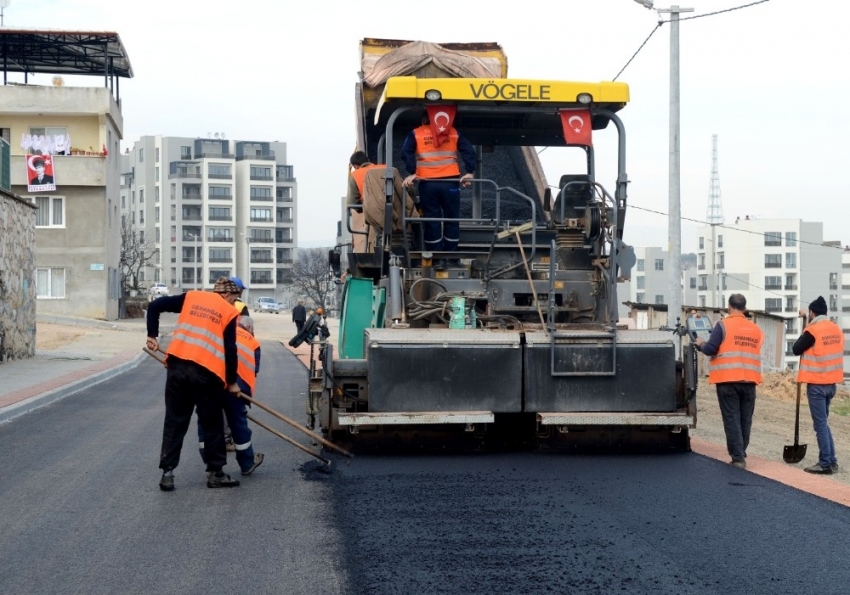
<point x="17" y="277"/>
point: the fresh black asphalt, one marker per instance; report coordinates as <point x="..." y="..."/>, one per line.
<point x="81" y="512"/>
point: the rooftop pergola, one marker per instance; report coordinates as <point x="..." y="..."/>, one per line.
<point x="47" y="51"/>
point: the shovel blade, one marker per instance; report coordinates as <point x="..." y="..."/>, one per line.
<point x="794" y="453"/>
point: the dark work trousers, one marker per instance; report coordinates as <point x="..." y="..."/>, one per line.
<point x="236" y="410"/>
<point x="737" y="403"/>
<point x="439" y="198"/>
<point x="188" y="386"/>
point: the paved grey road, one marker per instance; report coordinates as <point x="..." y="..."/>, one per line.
<point x="80" y="512"/>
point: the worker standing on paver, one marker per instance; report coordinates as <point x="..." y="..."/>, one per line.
<point x="735" y="367"/>
<point x="821" y="351"/>
<point x="235" y="408"/>
<point x="201" y="360"/>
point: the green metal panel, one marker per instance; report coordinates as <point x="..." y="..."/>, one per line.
<point x="5" y="166"/>
<point x="363" y="307"/>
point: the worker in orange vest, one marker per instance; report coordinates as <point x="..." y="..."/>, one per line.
<point x="821" y="351"/>
<point x="735" y="368"/>
<point x="202" y="361"/>
<point x="360" y="162"/>
<point x="433" y="166"/>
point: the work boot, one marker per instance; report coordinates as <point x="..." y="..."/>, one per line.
<point x="166" y="483"/>
<point x="834" y="467"/>
<point x="739" y="464"/>
<point x="818" y="470"/>
<point x="453" y="263"/>
<point x="258" y="460"/>
<point x="219" y="479"/>
<point x="439" y="264"/>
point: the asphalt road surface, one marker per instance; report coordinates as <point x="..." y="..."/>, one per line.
<point x="81" y="512"/>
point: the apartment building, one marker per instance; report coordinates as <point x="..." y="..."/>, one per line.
<point x="75" y="132"/>
<point x="212" y="207"/>
<point x="780" y="265"/>
<point x="649" y="281"/>
<point x="845" y="308"/>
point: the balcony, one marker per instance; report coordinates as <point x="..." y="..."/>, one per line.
<point x="790" y="288"/>
<point x="773" y="286"/>
<point x="259" y="178"/>
<point x="220" y="176"/>
<point x="284" y="220"/>
<point x="773" y="309"/>
<point x="285" y="240"/>
<point x="191" y="217"/>
<point x="221" y="239"/>
<point x="220" y="260"/>
<point x="262" y="220"/>
<point x="701" y="267"/>
<point x="221" y="217"/>
<point x="214" y="156"/>
<point x="285" y="199"/>
<point x="220" y="197"/>
<point x="258" y="260"/>
<point x="183" y="175"/>
<point x="790" y="309"/>
<point x="261" y="198"/>
<point x="265" y="157"/>
<point x="773" y="265"/>
<point x="845" y="287"/>
<point x="261" y="240"/>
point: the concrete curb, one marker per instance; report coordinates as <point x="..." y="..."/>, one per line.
<point x="132" y="327"/>
<point x="20" y="408"/>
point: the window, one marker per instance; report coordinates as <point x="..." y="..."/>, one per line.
<point x="702" y="243"/>
<point x="640" y="265"/>
<point x="261" y="173"/>
<point x="220" y="255"/>
<point x="141" y="155"/>
<point x="693" y="283"/>
<point x="156" y="194"/>
<point x="833" y="302"/>
<point x="264" y="256"/>
<point x="773" y="282"/>
<point x="790" y="238"/>
<point x="772" y="261"/>
<point x="156" y="171"/>
<point x="719" y="241"/>
<point x="701" y="262"/>
<point x="219" y="235"/>
<point x="640" y="297"/>
<point x="789" y="282"/>
<point x="158" y="235"/>
<point x="833" y="280"/>
<point x="216" y="273"/>
<point x="659" y="264"/>
<point x="220" y="214"/>
<point x="156" y="215"/>
<point x="261" y="214"/>
<point x="124" y="202"/>
<point x="284" y="194"/>
<point x="703" y="282"/>
<point x="261" y="192"/>
<point x="50" y="283"/>
<point x="141" y="215"/>
<point x="51" y="211"/>
<point x="219" y="170"/>
<point x="773" y="238"/>
<point x="702" y="301"/>
<point x="219" y="192"/>
<point x="261" y="276"/>
<point x="185" y="152"/>
<point x="47" y="144"/>
<point x="141" y="196"/>
<point x="156" y="158"/>
<point x="790" y="260"/>
<point x="773" y="304"/>
<point x="721" y="260"/>
<point x="789" y="304"/>
<point x="141" y="236"/>
<point x="659" y="299"/>
<point x="261" y="235"/>
<point x="641" y="282"/>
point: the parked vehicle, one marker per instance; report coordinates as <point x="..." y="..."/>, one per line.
<point x="156" y="290"/>
<point x="266" y="304"/>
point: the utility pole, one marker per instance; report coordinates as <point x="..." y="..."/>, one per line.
<point x="674" y="283"/>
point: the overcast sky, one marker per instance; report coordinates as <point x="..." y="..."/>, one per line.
<point x="770" y="80"/>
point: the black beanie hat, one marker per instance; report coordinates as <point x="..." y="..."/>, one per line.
<point x="818" y="306"/>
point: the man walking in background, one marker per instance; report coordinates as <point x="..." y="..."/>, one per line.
<point x="735" y="367"/>
<point x="299" y="316"/>
<point x="821" y="351"/>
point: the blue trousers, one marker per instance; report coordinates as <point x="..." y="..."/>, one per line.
<point x="236" y="411"/>
<point x="439" y="198"/>
<point x="820" y="397"/>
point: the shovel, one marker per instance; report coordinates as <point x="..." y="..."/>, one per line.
<point x="796" y="452"/>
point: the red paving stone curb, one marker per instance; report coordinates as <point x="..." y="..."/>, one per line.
<point x="817" y="485"/>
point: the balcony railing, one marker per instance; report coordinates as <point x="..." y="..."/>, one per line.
<point x="228" y="239"/>
<point x="261" y="220"/>
<point x="261" y="198"/>
<point x="773" y="286"/>
<point x="220" y="176"/>
<point x="790" y="309"/>
<point x="259" y="178"/>
<point x="261" y="240"/>
<point x="214" y="156"/>
<point x="191" y="217"/>
<point x="791" y="288"/>
<point x="284" y="220"/>
<point x="773" y="265"/>
<point x="773" y="309"/>
<point x="221" y="217"/>
<point x="217" y="260"/>
<point x="261" y="260"/>
<point x="185" y="175"/>
<point x="284" y="199"/>
<point x="283" y="240"/>
<point x="220" y="197"/>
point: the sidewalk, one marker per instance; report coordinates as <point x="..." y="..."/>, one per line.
<point x="97" y="352"/>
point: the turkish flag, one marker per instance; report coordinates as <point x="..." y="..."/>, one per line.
<point x="441" y="118"/>
<point x="578" y="129"/>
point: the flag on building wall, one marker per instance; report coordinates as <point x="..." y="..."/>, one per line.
<point x="578" y="129"/>
<point x="40" y="173"/>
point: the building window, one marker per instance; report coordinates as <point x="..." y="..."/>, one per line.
<point x="185" y="152"/>
<point x="156" y="194"/>
<point x="721" y="260"/>
<point x="773" y="282"/>
<point x="789" y="304"/>
<point x="141" y="155"/>
<point x="773" y="238"/>
<point x="702" y="301"/>
<point x="719" y="241"/>
<point x="702" y="243"/>
<point x="141" y="236"/>
<point x="219" y="170"/>
<point x="261" y="215"/>
<point x="641" y="282"/>
<point x="156" y="172"/>
<point x="262" y="256"/>
<point x="124" y="202"/>
<point x="789" y="282"/>
<point x="156" y="215"/>
<point x="261" y="235"/>
<point x="50" y="283"/>
<point x="833" y="303"/>
<point x="659" y="264"/>
<point x="703" y="282"/>
<point x="216" y="273"/>
<point x="261" y="173"/>
<point x="51" y="211"/>
<point x="790" y="260"/>
<point x="261" y="276"/>
<point x="639" y="297"/>
<point x="790" y="238"/>
<point x="701" y="262"/>
<point x="219" y="192"/>
<point x="284" y="193"/>
<point x="772" y="261"/>
<point x="220" y="214"/>
<point x="261" y="193"/>
<point x="693" y="284"/>
<point x="833" y="280"/>
<point x="773" y="304"/>
<point x="141" y="216"/>
<point x="659" y="299"/>
<point x="640" y="265"/>
<point x="44" y="141"/>
<point x="141" y="196"/>
<point x="158" y="235"/>
<point x="220" y="255"/>
<point x="156" y="158"/>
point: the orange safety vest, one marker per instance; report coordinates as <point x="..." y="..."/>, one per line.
<point x="436" y="162"/>
<point x="823" y="362"/>
<point x="246" y="346"/>
<point x="739" y="356"/>
<point x="359" y="176"/>
<point x="199" y="334"/>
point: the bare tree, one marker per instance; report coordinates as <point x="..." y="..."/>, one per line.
<point x="311" y="276"/>
<point x="135" y="256"/>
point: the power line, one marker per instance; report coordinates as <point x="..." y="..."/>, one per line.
<point x="722" y="225"/>
<point x="698" y="16"/>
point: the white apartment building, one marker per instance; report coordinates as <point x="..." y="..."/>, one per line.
<point x="845" y="308"/>
<point x="649" y="280"/>
<point x="779" y="265"/>
<point x="213" y="207"/>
